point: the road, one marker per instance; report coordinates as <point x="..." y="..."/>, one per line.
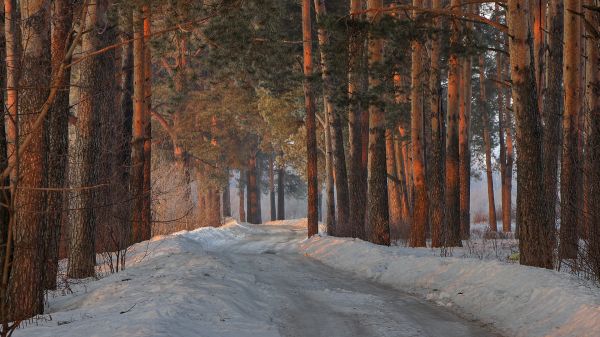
<point x="310" y="299"/>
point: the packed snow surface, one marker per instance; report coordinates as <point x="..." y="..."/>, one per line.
<point x="268" y="280"/>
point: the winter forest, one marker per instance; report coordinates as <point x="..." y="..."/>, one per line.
<point x="300" y="168"/>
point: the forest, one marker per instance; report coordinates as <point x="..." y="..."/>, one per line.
<point x="128" y="122"/>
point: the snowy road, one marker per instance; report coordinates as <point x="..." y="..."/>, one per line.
<point x="238" y="281"/>
<point x="311" y="299"/>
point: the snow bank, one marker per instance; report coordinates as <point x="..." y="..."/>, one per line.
<point x="519" y="300"/>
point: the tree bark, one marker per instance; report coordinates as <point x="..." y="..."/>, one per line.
<point x="553" y="104"/>
<point x="419" y="223"/>
<point x="487" y="139"/>
<point x="137" y="143"/>
<point x="464" y="151"/>
<point x="26" y="284"/>
<point x="534" y="229"/>
<point x="147" y="185"/>
<point x="281" y="194"/>
<point x="311" y="135"/>
<point x="241" y="193"/>
<point x="394" y="199"/>
<point x="58" y="119"/>
<point x="377" y="226"/>
<point x="90" y="148"/>
<point x="452" y="232"/>
<point x="253" y="199"/>
<point x="570" y="164"/>
<point x="436" y="183"/>
<point x="272" y="205"/>
<point x="356" y="180"/>
<point x="329" y="183"/>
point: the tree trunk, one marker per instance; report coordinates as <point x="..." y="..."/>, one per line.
<point x="26" y="284"/>
<point x="273" y="207"/>
<point x="377" y="226"/>
<point x="487" y="139"/>
<point x="403" y="229"/>
<point x="253" y="200"/>
<point x="311" y="135"/>
<point x="147" y="185"/>
<point x="452" y="232"/>
<point x="464" y="151"/>
<point x="593" y="173"/>
<point x="436" y="183"/>
<point x="281" y="194"/>
<point x="58" y="119"/>
<point x="330" y="87"/>
<point x="241" y="196"/>
<point x="569" y="164"/>
<point x="394" y="199"/>
<point x="89" y="149"/>
<point x="329" y="183"/>
<point x="356" y="181"/>
<point x="553" y="103"/>
<point x="227" y="198"/>
<point x="137" y="143"/>
<point x="419" y="223"/>
<point x="534" y="229"/>
<point x="538" y="10"/>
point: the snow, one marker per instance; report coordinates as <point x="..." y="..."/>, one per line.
<point x="246" y="280"/>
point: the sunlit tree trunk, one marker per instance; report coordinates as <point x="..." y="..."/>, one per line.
<point x="137" y="143"/>
<point x="436" y="183"/>
<point x="241" y="194"/>
<point x="553" y="105"/>
<point x="226" y="203"/>
<point x="311" y="138"/>
<point x="281" y="194"/>
<point x="377" y="226"/>
<point x="569" y="162"/>
<point x="356" y="181"/>
<point x="452" y="198"/>
<point x="534" y="232"/>
<point x="394" y="187"/>
<point x="419" y="223"/>
<point x="487" y="140"/>
<point x="592" y="92"/>
<point x="538" y="11"/>
<point x="26" y="284"/>
<point x="147" y="185"/>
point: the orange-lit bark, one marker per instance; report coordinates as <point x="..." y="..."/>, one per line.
<point x="311" y="138"/>
<point x="452" y="230"/>
<point x="394" y="187"/>
<point x="147" y="185"/>
<point x="377" y="226"/>
<point x="570" y="163"/>
<point x="419" y="221"/>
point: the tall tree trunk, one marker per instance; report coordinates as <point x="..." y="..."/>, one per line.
<point x="569" y="164"/>
<point x="26" y="284"/>
<point x="503" y="130"/>
<point x="534" y="231"/>
<point x="394" y="199"/>
<point x="330" y="88"/>
<point x="226" y="197"/>
<point x="89" y="147"/>
<point x="329" y="183"/>
<point x="377" y="226"/>
<point x="147" y="185"/>
<point x="405" y="211"/>
<point x="464" y="151"/>
<point x="272" y="206"/>
<point x="311" y="135"/>
<point x="419" y="223"/>
<point x="452" y="232"/>
<point x="356" y="181"/>
<point x="538" y="11"/>
<point x="487" y="139"/>
<point x="593" y="173"/>
<point x="553" y="104"/>
<point x="281" y="193"/>
<point x="436" y="183"/>
<point x="253" y="199"/>
<point x="241" y="193"/>
<point x="58" y="142"/>
<point x="137" y="143"/>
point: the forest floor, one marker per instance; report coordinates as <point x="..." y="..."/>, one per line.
<point x="268" y="280"/>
